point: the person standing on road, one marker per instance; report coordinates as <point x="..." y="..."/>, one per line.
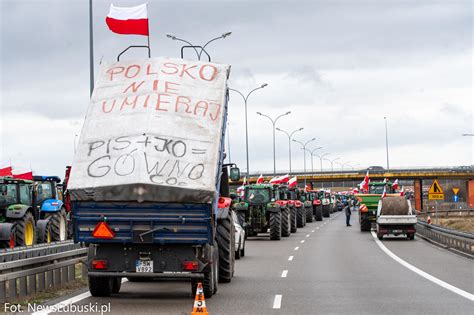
<point x="347" y="209"/>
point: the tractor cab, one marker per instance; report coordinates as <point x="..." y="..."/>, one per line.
<point x="377" y="188"/>
<point x="14" y="191"/>
<point x="259" y="194"/>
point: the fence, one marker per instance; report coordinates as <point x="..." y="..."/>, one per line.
<point x="25" y="271"/>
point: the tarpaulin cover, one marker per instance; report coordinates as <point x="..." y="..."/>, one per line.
<point x="152" y="132"/>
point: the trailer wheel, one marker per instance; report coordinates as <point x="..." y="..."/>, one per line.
<point x="275" y="225"/>
<point x="293" y="220"/>
<point x="411" y="236"/>
<point x="285" y="222"/>
<point x="379" y="236"/>
<point x="309" y="215"/>
<point x="226" y="242"/>
<point x="116" y="284"/>
<point x="318" y="213"/>
<point x="300" y="216"/>
<point x="58" y="225"/>
<point x="100" y="286"/>
<point x="365" y="226"/>
<point x="25" y="230"/>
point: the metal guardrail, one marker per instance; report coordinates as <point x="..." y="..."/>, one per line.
<point x="461" y="242"/>
<point x="26" y="271"/>
<point x="448" y="213"/>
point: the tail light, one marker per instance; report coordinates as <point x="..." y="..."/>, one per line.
<point x="99" y="264"/>
<point x="190" y="265"/>
<point x="363" y="208"/>
<point x="102" y="230"/>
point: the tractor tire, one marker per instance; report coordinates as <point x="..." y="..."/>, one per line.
<point x="210" y="280"/>
<point x="58" y="225"/>
<point x="241" y="217"/>
<point x="411" y="236"/>
<point x="293" y="220"/>
<point x="43" y="232"/>
<point x="365" y="226"/>
<point x="25" y="230"/>
<point x="326" y="212"/>
<point x="275" y="226"/>
<point x="285" y="222"/>
<point x="7" y="229"/>
<point x="226" y="242"/>
<point x="237" y="250"/>
<point x="318" y="213"/>
<point x="309" y="215"/>
<point x="300" y="217"/>
<point x="116" y="284"/>
<point x="100" y="286"/>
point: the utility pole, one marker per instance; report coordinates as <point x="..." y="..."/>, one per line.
<point x="91" y="49"/>
<point x="386" y="142"/>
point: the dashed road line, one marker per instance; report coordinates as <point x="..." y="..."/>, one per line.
<point x="277" y="301"/>
<point x="425" y="275"/>
<point x="307" y="235"/>
<point x="297" y="247"/>
<point x="290" y="258"/>
<point x="302" y="241"/>
<point x="312" y="231"/>
<point x="284" y="273"/>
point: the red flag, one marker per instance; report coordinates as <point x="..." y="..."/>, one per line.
<point x="293" y="182"/>
<point x="128" y="20"/>
<point x="5" y="169"/>
<point x="365" y="183"/>
<point x="22" y="174"/>
<point x="395" y="184"/>
<point x="260" y="179"/>
<point x="308" y="187"/>
<point x="280" y="179"/>
<point x="384" y="194"/>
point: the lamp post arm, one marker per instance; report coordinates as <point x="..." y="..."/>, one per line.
<point x="280" y="117"/>
<point x="247" y="97"/>
<point x="267" y="117"/>
<point x="243" y="97"/>
<point x="185" y="41"/>
<point x="203" y="47"/>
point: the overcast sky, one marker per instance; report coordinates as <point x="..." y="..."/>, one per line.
<point x="338" y="66"/>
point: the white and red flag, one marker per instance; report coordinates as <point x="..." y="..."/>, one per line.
<point x="260" y="179"/>
<point x="128" y="20"/>
<point x="307" y="187"/>
<point x="293" y="182"/>
<point x="280" y="179"/>
<point x="395" y="184"/>
<point x="22" y="173"/>
<point x="5" y="169"/>
<point x="365" y="183"/>
<point x="384" y="194"/>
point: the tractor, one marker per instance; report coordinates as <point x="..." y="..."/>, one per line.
<point x="325" y="198"/>
<point x="263" y="207"/>
<point x="48" y="202"/>
<point x="305" y="198"/>
<point x="369" y="203"/>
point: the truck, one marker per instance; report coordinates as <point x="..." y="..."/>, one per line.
<point x="395" y="216"/>
<point x="264" y="208"/>
<point x="368" y="203"/>
<point x="148" y="188"/>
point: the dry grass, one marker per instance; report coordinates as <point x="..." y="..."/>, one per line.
<point x="465" y="224"/>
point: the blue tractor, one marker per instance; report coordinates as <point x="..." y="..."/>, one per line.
<point x="52" y="221"/>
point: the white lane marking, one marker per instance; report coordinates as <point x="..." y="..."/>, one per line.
<point x="425" y="275"/>
<point x="312" y="231"/>
<point x="277" y="301"/>
<point x="302" y="241"/>
<point x="307" y="235"/>
<point x="325" y="223"/>
<point x="317" y="228"/>
<point x="297" y="247"/>
<point x="290" y="258"/>
<point x="284" y="273"/>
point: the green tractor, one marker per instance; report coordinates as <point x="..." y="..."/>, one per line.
<point x="325" y="198"/>
<point x="262" y="208"/>
<point x="305" y="198"/>
<point x="368" y="203"/>
<point x="17" y="213"/>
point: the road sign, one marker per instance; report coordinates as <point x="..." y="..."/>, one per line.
<point x="435" y="192"/>
<point x="455" y="190"/>
<point x="456" y="198"/>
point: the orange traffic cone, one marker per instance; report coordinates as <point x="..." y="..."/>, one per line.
<point x="199" y="302"/>
<point x="428" y="220"/>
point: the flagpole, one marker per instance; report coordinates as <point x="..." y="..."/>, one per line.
<point x="91" y="49"/>
<point x="148" y="23"/>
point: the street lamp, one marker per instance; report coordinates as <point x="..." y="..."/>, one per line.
<point x="289" y="140"/>
<point x="311" y="152"/>
<point x="304" y="154"/>
<point x="386" y="142"/>
<point x="468" y="135"/>
<point x="273" y="123"/>
<point x="347" y="163"/>
<point x="198" y="54"/>
<point x="321" y="157"/>
<point x="246" y="125"/>
<point x="332" y="163"/>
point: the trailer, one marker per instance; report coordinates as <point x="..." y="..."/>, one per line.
<point x="395" y="216"/>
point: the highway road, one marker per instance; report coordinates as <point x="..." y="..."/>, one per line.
<point x="325" y="268"/>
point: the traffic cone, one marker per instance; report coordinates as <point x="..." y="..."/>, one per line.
<point x="199" y="302"/>
<point x="428" y="220"/>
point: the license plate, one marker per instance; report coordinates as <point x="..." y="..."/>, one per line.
<point x="397" y="231"/>
<point x="144" y="266"/>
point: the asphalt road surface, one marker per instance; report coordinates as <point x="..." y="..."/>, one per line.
<point x="324" y="268"/>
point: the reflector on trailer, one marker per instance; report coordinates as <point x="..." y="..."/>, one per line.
<point x="190" y="265"/>
<point x="102" y="230"/>
<point x="99" y="264"/>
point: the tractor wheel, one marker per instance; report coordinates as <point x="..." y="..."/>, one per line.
<point x="326" y="213"/>
<point x="411" y="236"/>
<point x="241" y="217"/>
<point x="300" y="217"/>
<point x="100" y="286"/>
<point x="116" y="285"/>
<point x="365" y="226"/>
<point x="237" y="250"/>
<point x="309" y="214"/>
<point x="275" y="225"/>
<point x="226" y="242"/>
<point x="25" y="230"/>
<point x="43" y="231"/>
<point x="10" y="231"/>
<point x="318" y="213"/>
<point x="58" y="225"/>
<point x="293" y="220"/>
<point x="285" y="222"/>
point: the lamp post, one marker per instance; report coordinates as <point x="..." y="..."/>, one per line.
<point x="304" y="154"/>
<point x="468" y="135"/>
<point x="321" y="157"/>
<point x="245" y="98"/>
<point x="273" y="123"/>
<point x="347" y="163"/>
<point x="332" y="163"/>
<point x="289" y="141"/>
<point x="198" y="53"/>
<point x="311" y="152"/>
<point x="386" y="142"/>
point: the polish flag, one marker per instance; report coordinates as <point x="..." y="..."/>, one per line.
<point x="355" y="191"/>
<point x="280" y="179"/>
<point x="384" y="194"/>
<point x="395" y="184"/>
<point x="307" y="188"/>
<point x="293" y="182"/>
<point x="365" y="183"/>
<point x="260" y="179"/>
<point x="128" y="20"/>
<point x="5" y="169"/>
<point x="22" y="173"/>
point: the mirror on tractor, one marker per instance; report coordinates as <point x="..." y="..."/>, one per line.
<point x="234" y="174"/>
<point x="4" y="190"/>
